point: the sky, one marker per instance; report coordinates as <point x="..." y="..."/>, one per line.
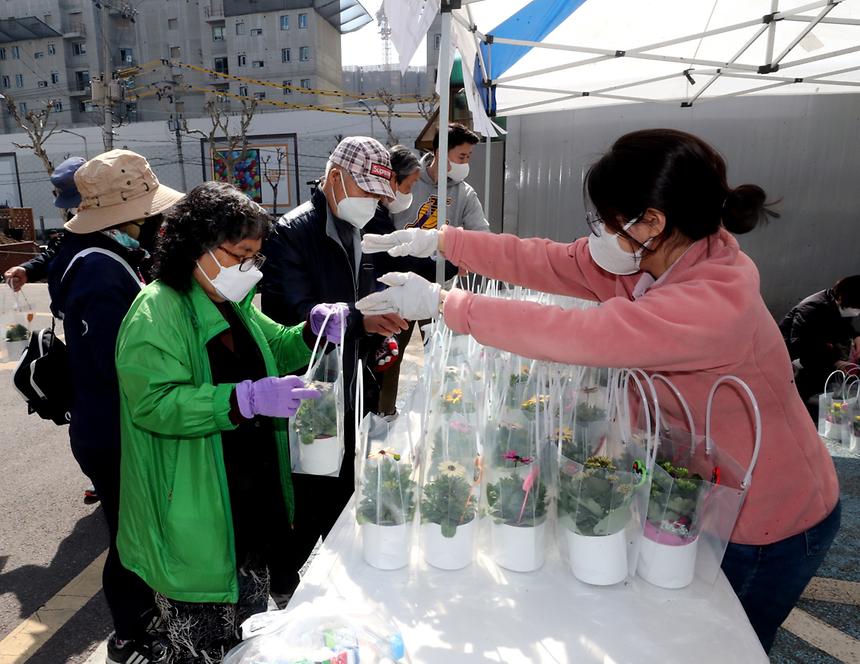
<point x="364" y="47"/>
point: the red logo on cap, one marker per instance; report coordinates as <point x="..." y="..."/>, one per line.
<point x="381" y="171"/>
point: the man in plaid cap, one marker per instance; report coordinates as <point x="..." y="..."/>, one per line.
<point x="314" y="256"/>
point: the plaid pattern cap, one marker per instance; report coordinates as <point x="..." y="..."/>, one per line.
<point x="368" y="162"/>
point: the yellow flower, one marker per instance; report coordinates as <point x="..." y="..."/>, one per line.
<point x="452" y="469"/>
<point x="383" y="453"/>
<point x="454" y="397"/>
<point x="565" y="435"/>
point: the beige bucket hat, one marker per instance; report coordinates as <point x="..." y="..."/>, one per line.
<point x="117" y="187"/>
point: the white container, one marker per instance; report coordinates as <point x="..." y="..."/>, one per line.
<point x="14" y="349"/>
<point x="385" y="547"/>
<point x="600" y="560"/>
<point x="519" y="548"/>
<point x="449" y="552"/>
<point x="835" y="433"/>
<point x="321" y="457"/>
<point x="668" y="565"/>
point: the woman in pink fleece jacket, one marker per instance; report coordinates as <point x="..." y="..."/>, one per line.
<point x="678" y="297"/>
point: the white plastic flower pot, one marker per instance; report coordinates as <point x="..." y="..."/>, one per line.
<point x="385" y="547"/>
<point x="449" y="552"/>
<point x="519" y="548"/>
<point x="854" y="442"/>
<point x="835" y="432"/>
<point x="321" y="457"/>
<point x="14" y="349"/>
<point x="600" y="560"/>
<point x="666" y="560"/>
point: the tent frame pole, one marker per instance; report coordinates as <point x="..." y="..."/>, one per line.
<point x="806" y="30"/>
<point x="444" y="76"/>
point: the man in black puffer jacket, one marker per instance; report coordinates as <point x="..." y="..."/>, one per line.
<point x="313" y="255"/>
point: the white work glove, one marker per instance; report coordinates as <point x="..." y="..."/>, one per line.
<point x="410" y="242"/>
<point x="409" y="295"/>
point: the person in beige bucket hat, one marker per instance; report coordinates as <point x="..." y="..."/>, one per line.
<point x="93" y="281"/>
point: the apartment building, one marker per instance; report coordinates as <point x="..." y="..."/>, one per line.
<point x="49" y="50"/>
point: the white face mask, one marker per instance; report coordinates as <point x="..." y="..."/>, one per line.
<point x="354" y="210"/>
<point x="458" y="172"/>
<point x="401" y="202"/>
<point x="230" y="282"/>
<point x="849" y="312"/>
<point x="607" y="252"/>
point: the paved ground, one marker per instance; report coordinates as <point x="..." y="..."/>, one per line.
<point x="50" y="544"/>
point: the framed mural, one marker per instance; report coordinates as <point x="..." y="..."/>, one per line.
<point x="268" y="174"/>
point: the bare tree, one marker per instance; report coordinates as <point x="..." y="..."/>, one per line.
<point x="390" y="102"/>
<point x="273" y="175"/>
<point x="224" y="133"/>
<point x="427" y="107"/>
<point x="35" y="124"/>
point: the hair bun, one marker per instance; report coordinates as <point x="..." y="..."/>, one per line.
<point x="745" y="208"/>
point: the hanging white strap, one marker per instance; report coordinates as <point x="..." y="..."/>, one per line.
<point x="653" y="434"/>
<point x="681" y="400"/>
<point x="358" y="416"/>
<point x="827" y="382"/>
<point x="622" y="406"/>
<point x="709" y="441"/>
<point x="109" y="254"/>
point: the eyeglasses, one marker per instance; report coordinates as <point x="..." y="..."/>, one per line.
<point x="597" y="227"/>
<point x="246" y="262"/>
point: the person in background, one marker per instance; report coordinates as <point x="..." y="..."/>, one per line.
<point x="207" y="496"/>
<point x="314" y="255"/>
<point x="680" y="298"/>
<point x="93" y="281"/>
<point x="67" y="198"/>
<point x="820" y="336"/>
<point x="407" y="170"/>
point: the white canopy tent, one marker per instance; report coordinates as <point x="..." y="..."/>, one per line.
<point x="523" y="56"/>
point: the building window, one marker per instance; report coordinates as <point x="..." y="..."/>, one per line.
<point x="220" y="65"/>
<point x="38" y="55"/>
<point x="175" y="52"/>
<point x="172" y="24"/>
<point x="303" y="21"/>
<point x="6" y="82"/>
<point x="306" y="83"/>
<point x="79" y="48"/>
<point x="55" y="78"/>
<point x="243" y="90"/>
<point x="286" y="55"/>
<point x="288" y="84"/>
<point x="259" y="95"/>
<point x="19" y="80"/>
<point x="42" y="84"/>
<point x="16" y="53"/>
<point x="285" y="22"/>
<point x="240" y="59"/>
<point x="52" y="50"/>
<point x="58" y="105"/>
<point x="126" y="56"/>
<point x="256" y="32"/>
<point x="258" y="64"/>
<point x="217" y="33"/>
<point x="437" y="41"/>
<point x="22" y="107"/>
<point x="240" y="28"/>
<point x="305" y="53"/>
<point x="2" y="53"/>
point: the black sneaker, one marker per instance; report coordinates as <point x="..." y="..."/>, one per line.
<point x="146" y="650"/>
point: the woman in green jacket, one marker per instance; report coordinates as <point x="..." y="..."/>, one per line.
<point x="206" y="495"/>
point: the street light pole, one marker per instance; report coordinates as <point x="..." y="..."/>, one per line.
<point x="370" y="113"/>
<point x="81" y="136"/>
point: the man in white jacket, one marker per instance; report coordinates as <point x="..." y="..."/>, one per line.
<point x="464" y="208"/>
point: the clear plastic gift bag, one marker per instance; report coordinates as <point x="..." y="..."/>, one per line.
<point x="833" y="422"/>
<point x="603" y="490"/>
<point x="324" y="630"/>
<point x="317" y="428"/>
<point x="517" y="473"/>
<point x="16" y="319"/>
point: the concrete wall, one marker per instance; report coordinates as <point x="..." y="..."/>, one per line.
<point x="316" y="133"/>
<point x="804" y="150"/>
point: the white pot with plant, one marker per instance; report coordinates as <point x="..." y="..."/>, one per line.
<point x="320" y="451"/>
<point x="448" y="517"/>
<point x="16" y="341"/>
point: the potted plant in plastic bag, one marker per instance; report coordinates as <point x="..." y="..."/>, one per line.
<point x="854" y="441"/>
<point x="594" y="506"/>
<point x="16" y="340"/>
<point x="316" y="424"/>
<point x="386" y="509"/>
<point x="517" y="503"/>
<point x="670" y="543"/>
<point x="590" y="424"/>
<point x="448" y="516"/>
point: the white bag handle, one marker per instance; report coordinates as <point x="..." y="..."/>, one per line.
<point x="315" y="359"/>
<point x="827" y="382"/>
<point x="653" y="435"/>
<point x="681" y="400"/>
<point x="708" y="441"/>
<point x="622" y="386"/>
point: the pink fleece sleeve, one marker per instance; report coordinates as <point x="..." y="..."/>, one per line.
<point x="680" y="327"/>
<point x="543" y="265"/>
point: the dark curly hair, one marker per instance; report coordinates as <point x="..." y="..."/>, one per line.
<point x="210" y="214"/>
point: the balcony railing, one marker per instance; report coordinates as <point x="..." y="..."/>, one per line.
<point x="214" y="10"/>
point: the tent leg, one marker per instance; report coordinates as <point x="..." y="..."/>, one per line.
<point x="444" y="76"/>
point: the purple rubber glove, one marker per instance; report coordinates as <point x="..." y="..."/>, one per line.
<point x="272" y="396"/>
<point x="336" y="322"/>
